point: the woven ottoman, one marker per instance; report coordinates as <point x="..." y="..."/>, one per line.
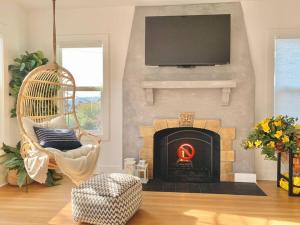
<point x="107" y="199"/>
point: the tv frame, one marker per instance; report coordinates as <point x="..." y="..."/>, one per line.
<point x="188" y="65"/>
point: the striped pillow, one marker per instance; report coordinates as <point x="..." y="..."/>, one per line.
<point x="61" y="139"/>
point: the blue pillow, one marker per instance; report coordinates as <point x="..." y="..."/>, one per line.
<point x="61" y="139"/>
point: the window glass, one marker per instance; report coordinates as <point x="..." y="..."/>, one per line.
<point x="287" y="77"/>
<point x="86" y="65"/>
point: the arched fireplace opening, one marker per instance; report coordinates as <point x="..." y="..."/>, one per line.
<point x="187" y="154"/>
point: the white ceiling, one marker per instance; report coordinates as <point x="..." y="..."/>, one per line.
<point x="39" y="4"/>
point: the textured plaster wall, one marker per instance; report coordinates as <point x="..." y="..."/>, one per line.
<point x="206" y="103"/>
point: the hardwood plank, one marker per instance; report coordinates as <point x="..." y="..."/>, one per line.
<point x="43" y="205"/>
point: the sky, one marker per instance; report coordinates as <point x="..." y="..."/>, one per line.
<point x="85" y="64"/>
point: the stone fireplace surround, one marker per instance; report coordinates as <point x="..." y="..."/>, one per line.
<point x="227" y="137"/>
<point x="168" y="101"/>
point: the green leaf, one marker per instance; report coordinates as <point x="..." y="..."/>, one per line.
<point x="13" y="113"/>
<point x="19" y="145"/>
<point x="22" y="67"/>
<point x="18" y="60"/>
<point x="21" y="177"/>
<point x="39" y="62"/>
<point x="45" y="61"/>
<point x="9" y="149"/>
<point x="13" y="67"/>
<point x="32" y="63"/>
<point x="40" y="54"/>
<point x="52" y="178"/>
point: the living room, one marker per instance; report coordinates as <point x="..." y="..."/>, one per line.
<point x="197" y="98"/>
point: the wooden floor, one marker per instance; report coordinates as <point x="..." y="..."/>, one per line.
<point x="42" y="205"/>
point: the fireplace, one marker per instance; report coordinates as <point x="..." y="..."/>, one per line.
<point x="227" y="136"/>
<point x="187" y="154"/>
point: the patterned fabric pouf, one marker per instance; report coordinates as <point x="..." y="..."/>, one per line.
<point x="107" y="199"/>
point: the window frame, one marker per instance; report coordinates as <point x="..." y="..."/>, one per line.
<point x="85" y="41"/>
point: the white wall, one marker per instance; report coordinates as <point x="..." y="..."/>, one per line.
<point x="114" y="21"/>
<point x="265" y="19"/>
<point x="13" y="29"/>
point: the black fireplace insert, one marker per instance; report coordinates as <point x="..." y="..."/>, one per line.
<point x="187" y="154"/>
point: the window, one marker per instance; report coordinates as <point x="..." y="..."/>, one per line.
<point x="287" y="77"/>
<point x="87" y="61"/>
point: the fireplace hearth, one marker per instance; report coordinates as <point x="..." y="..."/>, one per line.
<point x="187" y="154"/>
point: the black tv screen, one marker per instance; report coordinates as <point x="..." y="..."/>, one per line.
<point x="187" y="40"/>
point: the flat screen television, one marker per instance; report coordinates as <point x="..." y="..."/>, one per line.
<point x="196" y="40"/>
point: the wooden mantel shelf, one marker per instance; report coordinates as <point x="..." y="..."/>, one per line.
<point x="225" y="85"/>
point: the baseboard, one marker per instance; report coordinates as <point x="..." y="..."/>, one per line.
<point x="3" y="175"/>
<point x="108" y="169"/>
<point x="245" y="177"/>
<point x="3" y="184"/>
<point x="267" y="177"/>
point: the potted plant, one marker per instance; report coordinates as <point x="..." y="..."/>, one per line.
<point x="273" y="134"/>
<point x="13" y="161"/>
<point x="17" y="174"/>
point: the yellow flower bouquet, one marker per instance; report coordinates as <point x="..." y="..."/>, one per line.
<point x="273" y="134"/>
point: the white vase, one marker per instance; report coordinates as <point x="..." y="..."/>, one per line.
<point x="129" y="166"/>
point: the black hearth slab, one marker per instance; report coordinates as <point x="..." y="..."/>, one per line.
<point x="231" y="188"/>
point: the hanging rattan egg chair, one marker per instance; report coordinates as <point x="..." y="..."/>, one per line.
<point x="47" y="94"/>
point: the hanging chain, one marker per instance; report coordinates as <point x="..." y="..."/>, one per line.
<point x="54" y="33"/>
